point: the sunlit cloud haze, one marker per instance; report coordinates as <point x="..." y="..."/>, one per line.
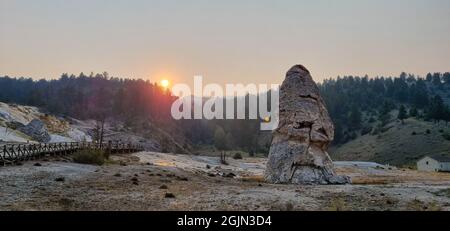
<point x="225" y="41"/>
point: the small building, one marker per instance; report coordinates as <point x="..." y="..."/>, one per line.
<point x="436" y="163"/>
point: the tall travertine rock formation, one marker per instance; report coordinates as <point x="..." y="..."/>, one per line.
<point x="298" y="153"/>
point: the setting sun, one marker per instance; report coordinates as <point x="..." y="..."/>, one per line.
<point x="165" y="83"/>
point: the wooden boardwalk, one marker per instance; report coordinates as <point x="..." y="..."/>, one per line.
<point x="16" y="153"/>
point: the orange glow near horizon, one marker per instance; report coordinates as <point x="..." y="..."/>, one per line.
<point x="165" y="83"/>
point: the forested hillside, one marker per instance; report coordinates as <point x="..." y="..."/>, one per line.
<point x="140" y="104"/>
<point x="88" y="97"/>
<point x="358" y="106"/>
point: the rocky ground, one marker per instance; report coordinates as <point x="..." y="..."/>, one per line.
<point x="156" y="181"/>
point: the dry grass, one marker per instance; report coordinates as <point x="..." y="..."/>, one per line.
<point x="418" y="205"/>
<point x="55" y="125"/>
<point x="337" y="204"/>
<point x="443" y="192"/>
<point x="363" y="177"/>
<point x="258" y="179"/>
<point x="396" y="146"/>
<point x="90" y="156"/>
<point x="374" y="180"/>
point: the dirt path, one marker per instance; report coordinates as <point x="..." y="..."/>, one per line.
<point x="142" y="181"/>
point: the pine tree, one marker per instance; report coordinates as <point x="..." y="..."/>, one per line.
<point x="229" y="141"/>
<point x="436" y="110"/>
<point x="413" y="111"/>
<point x="437" y="80"/>
<point x="384" y="114"/>
<point x="355" y="118"/>
<point x="447" y="115"/>
<point x="429" y="77"/>
<point x="446" y="78"/>
<point x="402" y="113"/>
<point x="419" y="94"/>
<point x="220" y="139"/>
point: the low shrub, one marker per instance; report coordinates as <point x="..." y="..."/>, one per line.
<point x="386" y="128"/>
<point x="237" y="156"/>
<point x="376" y="130"/>
<point x="366" y="130"/>
<point x="90" y="156"/>
<point x="446" y="135"/>
<point x="352" y="135"/>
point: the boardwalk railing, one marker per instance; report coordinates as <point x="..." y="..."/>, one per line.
<point x="16" y="153"/>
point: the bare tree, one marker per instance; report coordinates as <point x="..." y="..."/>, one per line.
<point x="99" y="134"/>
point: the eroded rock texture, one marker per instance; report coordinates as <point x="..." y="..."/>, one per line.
<point x="298" y="153"/>
<point x="36" y="129"/>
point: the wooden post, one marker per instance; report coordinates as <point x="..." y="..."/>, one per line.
<point x="108" y="150"/>
<point x="3" y="155"/>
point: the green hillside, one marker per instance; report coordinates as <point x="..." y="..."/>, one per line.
<point x="400" y="145"/>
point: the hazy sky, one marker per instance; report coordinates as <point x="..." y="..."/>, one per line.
<point x="225" y="41"/>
